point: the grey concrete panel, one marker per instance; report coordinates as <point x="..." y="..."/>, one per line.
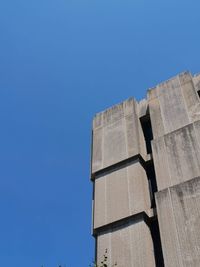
<point x="103" y="245"/>
<point x="156" y="118"/>
<point x="169" y="237"/>
<point x="196" y="81"/>
<point x="179" y="221"/>
<point x="138" y="189"/>
<point x="121" y="193"/>
<point x="118" y="206"/>
<point x="183" y="154"/>
<point x="115" y="147"/>
<point x="100" y="202"/>
<point x="191" y="99"/>
<point x="177" y="156"/>
<point x="97" y="149"/>
<point x="117" y="135"/>
<point x="142" y="108"/>
<point x="161" y="163"/>
<point x="114" y="113"/>
<point x="197" y="132"/>
<point x="172" y="105"/>
<point x="128" y="246"/>
<point x="132" y="143"/>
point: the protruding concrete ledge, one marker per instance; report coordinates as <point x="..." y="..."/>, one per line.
<point x="117" y="193"/>
<point x="121" y="164"/>
<point x="142" y="216"/>
<point x="117" y="166"/>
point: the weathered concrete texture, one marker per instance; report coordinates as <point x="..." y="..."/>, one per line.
<point x="116" y="135"/>
<point x="142" y="108"/>
<point x="177" y="156"/>
<point x="196" y="80"/>
<point x="179" y="220"/>
<point x="173" y="104"/>
<point x="120" y="193"/>
<point x="129" y="245"/>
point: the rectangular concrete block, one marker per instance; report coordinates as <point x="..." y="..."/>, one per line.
<point x="121" y="193"/>
<point x="179" y="221"/>
<point x="161" y="164"/>
<point x="177" y="156"/>
<point x="173" y="104"/>
<point x="183" y="154"/>
<point x="191" y="98"/>
<point x="156" y="118"/>
<point x="116" y="135"/>
<point x="128" y="246"/>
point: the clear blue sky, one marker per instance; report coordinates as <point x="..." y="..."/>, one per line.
<point x="61" y="61"/>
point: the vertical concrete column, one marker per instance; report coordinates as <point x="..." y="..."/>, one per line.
<point x="121" y="190"/>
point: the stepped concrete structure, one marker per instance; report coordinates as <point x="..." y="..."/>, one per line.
<point x="145" y="171"/>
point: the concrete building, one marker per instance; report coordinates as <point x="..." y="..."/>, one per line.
<point x="146" y="177"/>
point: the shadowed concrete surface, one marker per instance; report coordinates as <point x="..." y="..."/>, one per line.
<point x="141" y="150"/>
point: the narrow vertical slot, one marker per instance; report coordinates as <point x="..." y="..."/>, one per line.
<point x="147" y="131"/>
<point x="150" y="171"/>
<point x="149" y="166"/>
<point x="152" y="181"/>
<point x="155" y="233"/>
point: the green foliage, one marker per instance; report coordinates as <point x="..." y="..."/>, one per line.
<point x="103" y="262"/>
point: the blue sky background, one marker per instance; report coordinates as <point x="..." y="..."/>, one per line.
<point x="61" y="61"/>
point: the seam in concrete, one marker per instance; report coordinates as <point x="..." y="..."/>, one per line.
<point x="119" y="165"/>
<point x="186" y="125"/>
<point x="135" y="218"/>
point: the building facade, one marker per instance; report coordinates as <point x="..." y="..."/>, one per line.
<point x="145" y="171"/>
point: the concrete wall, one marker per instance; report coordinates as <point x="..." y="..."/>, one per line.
<point x="175" y="115"/>
<point x="179" y="219"/>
